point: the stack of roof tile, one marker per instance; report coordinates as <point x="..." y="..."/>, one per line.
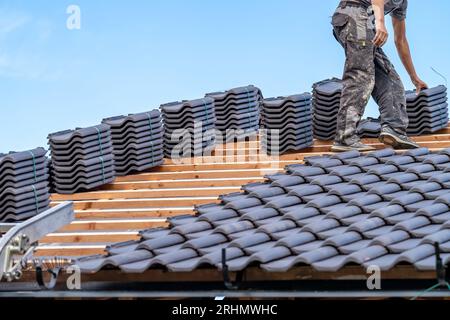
<point x="326" y="102"/>
<point x="427" y="111"/>
<point x="238" y="110"/>
<point x="381" y="209"/>
<point x="189" y="127"/>
<point x="81" y="159"/>
<point x="369" y="128"/>
<point x="137" y="142"/>
<point x="288" y="123"/>
<point x="24" y="189"/>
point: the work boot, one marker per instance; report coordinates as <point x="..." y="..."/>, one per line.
<point x="397" y="141"/>
<point x="358" y="146"/>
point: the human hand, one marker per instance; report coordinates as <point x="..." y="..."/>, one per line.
<point x="381" y="35"/>
<point x="419" y="84"/>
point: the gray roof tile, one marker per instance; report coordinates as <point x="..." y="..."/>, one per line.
<point x="374" y="233"/>
<point x="355" y="219"/>
<point x="286" y="233"/>
<point x="430" y="262"/>
<point x="288" y="181"/>
<point x="215" y="257"/>
<point x="278" y="227"/>
<point x="341" y="210"/>
<point x="269" y="221"/>
<point x="305" y="190"/>
<point x="246" y="202"/>
<point x="398" y="218"/>
<point x="205" y="242"/>
<point x="307" y="247"/>
<point x="262" y="247"/>
<point x="235" y="227"/>
<point x="124" y="247"/>
<point x="281" y="265"/>
<point x="403" y="246"/>
<point x="185" y="265"/>
<point x="250" y="240"/>
<point x="319" y="254"/>
<point x="301" y="214"/>
<point x="284" y="202"/>
<point x="391" y="238"/>
<point x="331" y="232"/>
<point x="354" y="247"/>
<point x="426" y="230"/>
<point x="297" y="239"/>
<point x="441" y="218"/>
<point x="116" y="260"/>
<point x="162" y="242"/>
<point x="260" y="214"/>
<point x="343" y="239"/>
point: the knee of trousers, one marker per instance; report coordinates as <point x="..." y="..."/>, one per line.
<point x="358" y="87"/>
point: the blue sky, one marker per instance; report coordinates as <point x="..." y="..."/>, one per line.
<point x="131" y="56"/>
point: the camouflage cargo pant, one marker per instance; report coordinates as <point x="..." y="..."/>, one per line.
<point x="368" y="71"/>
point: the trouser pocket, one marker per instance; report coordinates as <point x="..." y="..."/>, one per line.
<point x="340" y="22"/>
<point x="352" y="24"/>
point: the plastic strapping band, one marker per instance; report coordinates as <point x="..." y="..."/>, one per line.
<point x="103" y="169"/>
<point x="441" y="75"/>
<point x="34" y="166"/>
<point x="153" y="154"/>
<point x="150" y="123"/>
<point x="36" y="198"/>
<point x="249" y="107"/>
<point x="307" y="103"/>
<point x="206" y="109"/>
<point x="99" y="140"/>
<point x="151" y="136"/>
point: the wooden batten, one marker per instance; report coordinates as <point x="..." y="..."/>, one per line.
<point x="253" y="274"/>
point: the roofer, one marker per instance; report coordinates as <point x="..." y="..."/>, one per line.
<point x="359" y="26"/>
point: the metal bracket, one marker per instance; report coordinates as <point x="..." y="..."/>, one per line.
<point x="19" y="243"/>
<point x="226" y="275"/>
<point x="19" y="246"/>
<point x="441" y="271"/>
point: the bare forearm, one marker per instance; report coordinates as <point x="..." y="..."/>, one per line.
<point x="381" y="34"/>
<point x="378" y="9"/>
<point x="405" y="55"/>
<point x="401" y="42"/>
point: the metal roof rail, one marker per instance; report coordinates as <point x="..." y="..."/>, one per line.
<point x="20" y="240"/>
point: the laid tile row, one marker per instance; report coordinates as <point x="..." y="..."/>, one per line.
<point x="378" y="209"/>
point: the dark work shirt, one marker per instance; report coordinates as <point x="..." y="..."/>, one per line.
<point x="396" y="8"/>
